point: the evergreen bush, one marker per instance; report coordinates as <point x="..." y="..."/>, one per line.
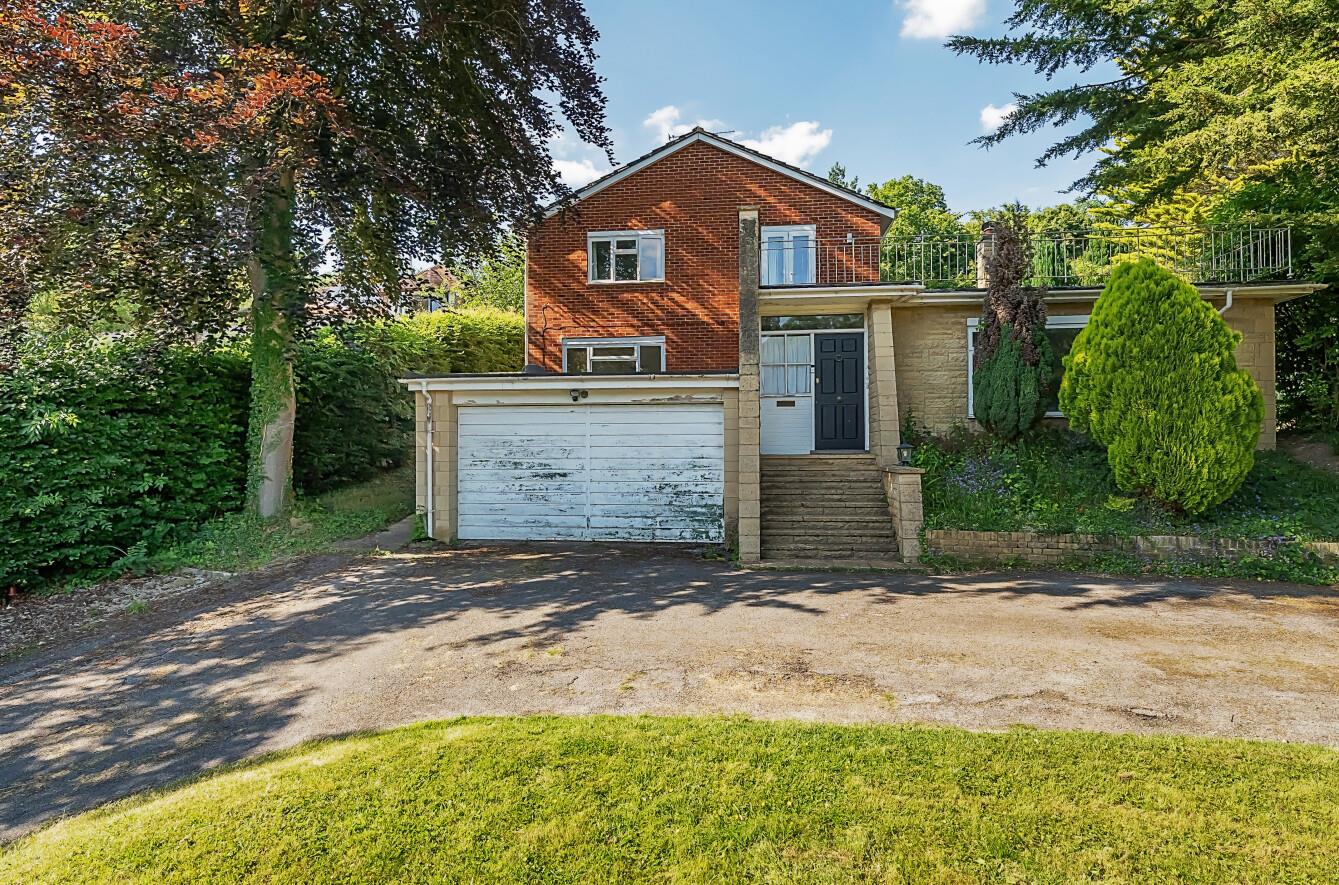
<point x="1153" y="378"/>
<point x="1008" y="391"/>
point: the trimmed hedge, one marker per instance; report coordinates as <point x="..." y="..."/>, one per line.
<point x="110" y="446"/>
<point x="106" y="446"/>
<point x="1153" y="377"/>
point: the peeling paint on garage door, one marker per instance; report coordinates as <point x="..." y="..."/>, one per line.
<point x="592" y="473"/>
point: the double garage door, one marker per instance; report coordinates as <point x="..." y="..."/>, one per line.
<point x="619" y="472"/>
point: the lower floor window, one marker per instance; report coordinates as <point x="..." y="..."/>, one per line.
<point x="614" y="356"/>
<point x="1061" y="331"/>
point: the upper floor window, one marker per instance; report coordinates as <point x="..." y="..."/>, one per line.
<point x="789" y="252"/>
<point x="614" y="356"/>
<point x="626" y="256"/>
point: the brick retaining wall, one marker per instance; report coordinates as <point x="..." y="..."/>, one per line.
<point x="1047" y="549"/>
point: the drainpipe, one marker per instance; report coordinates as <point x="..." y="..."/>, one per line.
<point x="1227" y="303"/>
<point x="427" y="464"/>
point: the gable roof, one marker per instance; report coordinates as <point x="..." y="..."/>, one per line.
<point x="698" y="134"/>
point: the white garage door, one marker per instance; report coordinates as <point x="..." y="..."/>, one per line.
<point x="592" y="473"/>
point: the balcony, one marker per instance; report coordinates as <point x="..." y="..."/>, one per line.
<point x="1204" y="255"/>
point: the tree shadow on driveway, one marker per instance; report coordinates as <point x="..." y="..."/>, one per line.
<point x="219" y="678"/>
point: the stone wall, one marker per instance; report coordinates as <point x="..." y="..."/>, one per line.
<point x="1052" y="549"/>
<point x="931" y="346"/>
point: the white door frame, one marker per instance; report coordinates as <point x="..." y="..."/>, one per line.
<point x="813" y="370"/>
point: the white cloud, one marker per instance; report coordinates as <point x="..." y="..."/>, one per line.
<point x="666" y="123"/>
<point x="795" y="144"/>
<point x="993" y="118"/>
<point x="575" y="173"/>
<point x="936" y="19"/>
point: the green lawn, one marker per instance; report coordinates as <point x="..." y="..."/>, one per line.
<point x="236" y="541"/>
<point x="619" y="799"/>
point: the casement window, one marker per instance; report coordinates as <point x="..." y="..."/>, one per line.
<point x="614" y="356"/>
<point x="789" y="253"/>
<point x="1061" y="331"/>
<point x="787" y="364"/>
<point x="626" y="256"/>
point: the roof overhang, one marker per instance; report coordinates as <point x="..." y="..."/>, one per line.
<point x="846" y="299"/>
<point x="568" y="382"/>
<point x="701" y="135"/>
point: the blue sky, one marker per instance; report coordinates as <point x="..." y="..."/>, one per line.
<point x="864" y="82"/>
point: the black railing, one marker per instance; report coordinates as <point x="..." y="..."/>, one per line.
<point x="1225" y="254"/>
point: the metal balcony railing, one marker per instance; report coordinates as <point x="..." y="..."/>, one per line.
<point x="1226" y="254"/>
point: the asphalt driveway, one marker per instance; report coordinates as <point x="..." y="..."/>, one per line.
<point x="342" y="644"/>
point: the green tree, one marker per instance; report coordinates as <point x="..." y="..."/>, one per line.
<point x="1013" y="355"/>
<point x="497" y="278"/>
<point x="1153" y="378"/>
<point x="926" y="242"/>
<point x="1234" y="99"/>
<point x="837" y="175"/>
<point x="197" y="151"/>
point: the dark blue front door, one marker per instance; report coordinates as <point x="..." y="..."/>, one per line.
<point x="839" y="391"/>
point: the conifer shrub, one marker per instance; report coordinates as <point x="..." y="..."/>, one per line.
<point x="1153" y="378"/>
<point x="1013" y="355"/>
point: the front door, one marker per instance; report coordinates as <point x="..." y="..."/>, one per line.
<point x="839" y="391"/>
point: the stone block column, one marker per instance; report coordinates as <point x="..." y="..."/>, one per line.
<point x="750" y="407"/>
<point x="437" y="436"/>
<point x="903" y="487"/>
<point x="885" y="421"/>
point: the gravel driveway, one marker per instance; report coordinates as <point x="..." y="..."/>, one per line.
<point x="348" y="643"/>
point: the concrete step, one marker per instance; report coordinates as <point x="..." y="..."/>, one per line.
<point x="830" y="531"/>
<point x="845" y="519"/>
<point x="801" y="551"/>
<point x="800" y="497"/>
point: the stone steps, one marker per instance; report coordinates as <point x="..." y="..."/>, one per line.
<point x="825" y="508"/>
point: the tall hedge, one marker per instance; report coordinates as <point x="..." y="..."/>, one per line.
<point x="1153" y="378"/>
<point x="108" y="446"/>
<point x="105" y="446"/>
<point x="354" y="418"/>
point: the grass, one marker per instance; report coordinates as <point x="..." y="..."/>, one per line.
<point x="634" y="799"/>
<point x="237" y="541"/>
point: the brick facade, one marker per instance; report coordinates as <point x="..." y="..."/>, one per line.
<point x="694" y="195"/>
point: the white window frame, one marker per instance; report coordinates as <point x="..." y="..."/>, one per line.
<point x="1077" y="321"/>
<point x="788" y="231"/>
<point x="788" y="365"/>
<point x="636" y="343"/>
<point x="611" y="237"/>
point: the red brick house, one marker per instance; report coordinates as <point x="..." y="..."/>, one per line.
<point x="722" y="347"/>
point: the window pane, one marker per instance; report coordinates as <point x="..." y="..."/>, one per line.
<point x="601" y="260"/>
<point x="651" y="358"/>
<point x="653" y="258"/>
<point x="625" y="266"/>
<point x="773" y="380"/>
<point x="620" y="351"/>
<point x="834" y="321"/>
<point x="625" y="245"/>
<point x="774" y="349"/>
<point x="576" y="359"/>
<point x="614" y="367"/>
<point x="1061" y="341"/>
<point x="802" y="259"/>
<point x="799" y="379"/>
<point x="797" y="349"/>
<point x="774" y="263"/>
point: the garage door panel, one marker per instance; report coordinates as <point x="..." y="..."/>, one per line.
<point x="604" y="472"/>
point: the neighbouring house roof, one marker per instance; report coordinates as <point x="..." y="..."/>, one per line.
<point x="698" y="134"/>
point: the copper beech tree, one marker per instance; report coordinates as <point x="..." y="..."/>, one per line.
<point x="189" y="159"/>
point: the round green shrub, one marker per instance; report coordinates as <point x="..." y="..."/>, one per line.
<point x="1153" y="378"/>
<point x="1007" y="393"/>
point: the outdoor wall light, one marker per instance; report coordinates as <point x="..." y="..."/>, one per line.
<point x="904" y="451"/>
<point x="578" y="394"/>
